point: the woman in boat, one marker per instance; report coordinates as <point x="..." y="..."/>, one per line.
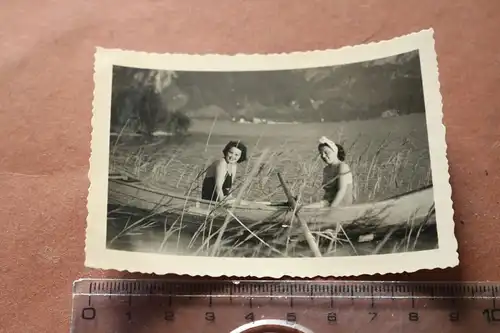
<point x="220" y="175"/>
<point x="337" y="176"/>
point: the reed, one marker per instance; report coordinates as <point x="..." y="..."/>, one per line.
<point x="380" y="169"/>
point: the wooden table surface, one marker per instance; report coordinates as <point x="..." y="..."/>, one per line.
<point x="46" y="86"/>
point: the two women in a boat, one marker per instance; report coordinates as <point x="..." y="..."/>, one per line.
<point x="220" y="175"/>
<point x="337" y="176"/>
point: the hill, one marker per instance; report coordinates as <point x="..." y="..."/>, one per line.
<point x="346" y="92"/>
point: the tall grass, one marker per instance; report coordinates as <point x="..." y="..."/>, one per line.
<point x="381" y="168"/>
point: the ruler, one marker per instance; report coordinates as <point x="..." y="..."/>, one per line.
<point x="220" y="306"/>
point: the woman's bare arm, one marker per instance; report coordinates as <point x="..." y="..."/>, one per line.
<point x="220" y="175"/>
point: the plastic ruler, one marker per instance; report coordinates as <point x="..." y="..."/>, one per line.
<point x="220" y="306"/>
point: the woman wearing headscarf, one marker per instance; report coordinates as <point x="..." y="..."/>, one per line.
<point x="337" y="176"/>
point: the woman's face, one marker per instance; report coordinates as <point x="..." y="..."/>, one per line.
<point x="328" y="155"/>
<point x="233" y="155"/>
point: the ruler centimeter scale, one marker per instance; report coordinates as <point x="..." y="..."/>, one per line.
<point x="312" y="306"/>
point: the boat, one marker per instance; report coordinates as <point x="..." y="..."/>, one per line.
<point x="409" y="209"/>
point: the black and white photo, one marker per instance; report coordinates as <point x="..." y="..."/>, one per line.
<point x="304" y="164"/>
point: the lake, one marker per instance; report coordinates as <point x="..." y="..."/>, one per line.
<point x="387" y="156"/>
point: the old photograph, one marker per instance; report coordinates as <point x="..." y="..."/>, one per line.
<point x="303" y="164"/>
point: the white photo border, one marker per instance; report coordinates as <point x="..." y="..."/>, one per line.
<point x="98" y="256"/>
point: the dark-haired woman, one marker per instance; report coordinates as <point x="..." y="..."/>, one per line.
<point x="337" y="176"/>
<point x="220" y="175"/>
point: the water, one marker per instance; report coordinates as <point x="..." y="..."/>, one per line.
<point x="388" y="157"/>
<point x="154" y="239"/>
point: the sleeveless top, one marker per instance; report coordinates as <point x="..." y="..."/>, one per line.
<point x="331" y="175"/>
<point x="208" y="189"/>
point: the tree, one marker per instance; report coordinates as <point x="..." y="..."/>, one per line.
<point x="141" y="99"/>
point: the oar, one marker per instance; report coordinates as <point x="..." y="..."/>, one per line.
<point x="307" y="233"/>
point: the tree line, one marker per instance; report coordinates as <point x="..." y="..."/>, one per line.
<point x="149" y="100"/>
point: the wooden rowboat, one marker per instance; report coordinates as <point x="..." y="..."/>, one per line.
<point x="410" y="209"/>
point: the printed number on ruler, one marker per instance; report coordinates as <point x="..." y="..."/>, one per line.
<point x="304" y="306"/>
